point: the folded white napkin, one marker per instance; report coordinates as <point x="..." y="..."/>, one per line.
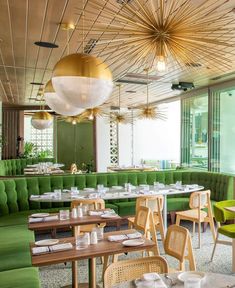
<point x="150" y="284"/>
<point x="60" y="247"/>
<point x="121" y="237"/>
<point x="51" y="218"/>
<point x="95" y="213"/>
<point x="35" y="220"/>
<point x="134" y="235"/>
<point x="114" y="238"/>
<point x="34" y="196"/>
<point x="93" y="196"/>
<point x="40" y="250"/>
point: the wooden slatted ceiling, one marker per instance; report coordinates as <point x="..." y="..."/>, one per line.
<point x="22" y="22"/>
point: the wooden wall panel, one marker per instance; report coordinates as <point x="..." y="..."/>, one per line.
<point x="12" y="127"/>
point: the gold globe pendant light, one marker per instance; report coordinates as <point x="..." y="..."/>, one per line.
<point x="41" y="120"/>
<point x="82" y="80"/>
<point x="57" y="104"/>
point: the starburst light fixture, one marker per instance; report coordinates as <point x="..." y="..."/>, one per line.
<point x="160" y="32"/>
<point x="150" y="112"/>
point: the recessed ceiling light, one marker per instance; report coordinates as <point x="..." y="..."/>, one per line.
<point x="46" y="44"/>
<point x="36" y="83"/>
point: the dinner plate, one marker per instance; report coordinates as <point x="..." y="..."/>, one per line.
<point x="186" y="275"/>
<point x="40" y="215"/>
<point x="117" y="187"/>
<point x="89" y="189"/>
<point x="109" y="216"/>
<point x="133" y="242"/>
<point x="47" y="242"/>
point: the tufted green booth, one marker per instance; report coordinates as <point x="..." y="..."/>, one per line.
<point x="14" y="167"/>
<point x="15" y="192"/>
<point x="15" y="261"/>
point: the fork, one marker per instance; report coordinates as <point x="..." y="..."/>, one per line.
<point x="173" y="283"/>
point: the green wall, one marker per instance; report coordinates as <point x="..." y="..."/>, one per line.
<point x="75" y="143"/>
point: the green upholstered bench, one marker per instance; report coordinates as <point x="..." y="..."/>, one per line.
<point x="20" y="278"/>
<point x="15" y="205"/>
<point x="14" y="167"/>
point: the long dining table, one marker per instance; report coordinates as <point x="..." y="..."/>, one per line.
<point x="102" y="248"/>
<point x="122" y="193"/>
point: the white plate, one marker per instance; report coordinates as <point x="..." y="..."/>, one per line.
<point x="89" y="189"/>
<point x="40" y="215"/>
<point x="109" y="216"/>
<point x="117" y="187"/>
<point x="186" y="275"/>
<point x="133" y="242"/>
<point x="47" y="242"/>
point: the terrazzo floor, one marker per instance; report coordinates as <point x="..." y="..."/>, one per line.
<point x="60" y="275"/>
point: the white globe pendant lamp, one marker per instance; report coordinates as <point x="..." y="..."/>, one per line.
<point x="41" y="120"/>
<point x="82" y="80"/>
<point x="57" y="104"/>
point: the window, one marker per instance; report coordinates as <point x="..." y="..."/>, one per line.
<point x="43" y="139"/>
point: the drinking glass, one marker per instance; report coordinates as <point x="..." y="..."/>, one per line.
<point x="100" y="187"/>
<point x="81" y="242"/>
<point x="85" y="209"/>
<point x="57" y="193"/>
<point x="192" y="283"/>
<point x="126" y="185"/>
<point x="100" y="232"/>
<point x="156" y="186"/>
<point x="74" y="190"/>
<point x="79" y="211"/>
<point x="64" y="214"/>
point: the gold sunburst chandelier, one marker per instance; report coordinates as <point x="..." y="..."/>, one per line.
<point x="91" y="113"/>
<point x="150" y="112"/>
<point x="154" y="33"/>
<point x="118" y="116"/>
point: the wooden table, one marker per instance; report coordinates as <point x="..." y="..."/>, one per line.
<point x="103" y="248"/>
<point x="212" y="280"/>
<point x="85" y="220"/>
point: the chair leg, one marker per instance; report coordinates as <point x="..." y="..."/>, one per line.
<point x="191" y="259"/>
<point x="212" y="226"/>
<point x="105" y="264"/>
<point x="172" y="215"/>
<point x="193" y="228"/>
<point x="199" y="234"/>
<point x="115" y="258"/>
<point x="182" y="266"/>
<point x="177" y="222"/>
<point x="213" y="252"/>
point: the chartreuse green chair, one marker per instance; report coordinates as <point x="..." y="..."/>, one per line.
<point x="222" y="214"/>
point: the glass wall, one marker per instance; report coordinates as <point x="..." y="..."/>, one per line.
<point x="208" y="129"/>
<point x="223" y="131"/>
<point x="194" y="136"/>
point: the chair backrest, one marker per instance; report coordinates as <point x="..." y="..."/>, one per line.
<point x="128" y="270"/>
<point x="155" y="203"/>
<point x="94" y="204"/>
<point x="176" y="242"/>
<point x="199" y="199"/>
<point x="142" y="218"/>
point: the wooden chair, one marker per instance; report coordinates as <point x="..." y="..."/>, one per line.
<point x="143" y="222"/>
<point x="178" y="244"/>
<point x="155" y="203"/>
<point x="128" y="270"/>
<point x="197" y="202"/>
<point x="93" y="204"/>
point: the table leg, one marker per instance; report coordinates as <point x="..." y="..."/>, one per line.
<point x="75" y="274"/>
<point x="233" y="255"/>
<point x="92" y="272"/>
<point x="165" y="212"/>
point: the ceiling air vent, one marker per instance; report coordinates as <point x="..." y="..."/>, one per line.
<point x="90" y="46"/>
<point x="141" y="79"/>
<point x="223" y="76"/>
<point x="193" y="64"/>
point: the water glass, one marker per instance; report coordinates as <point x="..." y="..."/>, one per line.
<point x="74" y="213"/>
<point x="64" y="214"/>
<point x="100" y="187"/>
<point x="178" y="184"/>
<point x="79" y="211"/>
<point x="193" y="282"/>
<point x="57" y="193"/>
<point x="74" y="190"/>
<point x="81" y="242"/>
<point x="99" y="232"/>
<point x="94" y="238"/>
<point x="156" y="186"/>
<point x="127" y="185"/>
<point x="85" y="209"/>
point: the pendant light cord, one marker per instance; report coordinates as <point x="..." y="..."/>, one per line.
<point x="83" y="15"/>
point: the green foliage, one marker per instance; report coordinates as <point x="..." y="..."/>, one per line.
<point x="31" y="151"/>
